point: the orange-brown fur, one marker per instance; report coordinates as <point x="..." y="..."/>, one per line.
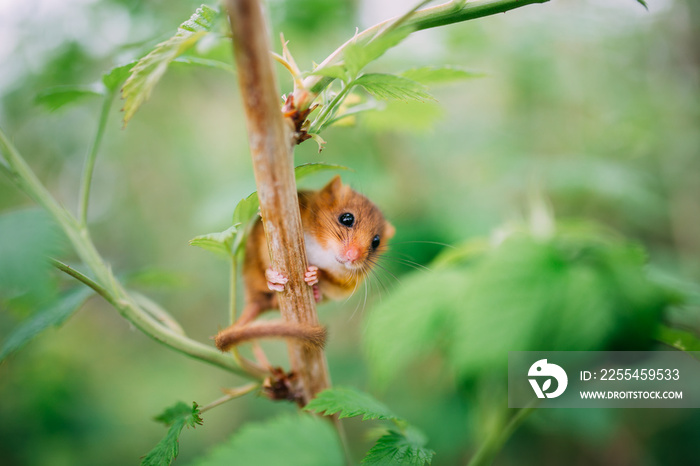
<point x="319" y="215"/>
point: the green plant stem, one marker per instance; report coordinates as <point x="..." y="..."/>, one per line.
<point x="106" y="284"/>
<point x="89" y="167"/>
<point x="493" y="444"/>
<point x="153" y="328"/>
<point x="325" y="113"/>
<point x="435" y="17"/>
<point x="233" y="287"/>
<point x="24" y="178"/>
<point x="439" y="15"/>
<point x="157" y="312"/>
<point x="231" y="394"/>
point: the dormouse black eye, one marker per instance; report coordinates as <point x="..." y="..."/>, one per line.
<point x="375" y="242"/>
<point x="347" y="219"/>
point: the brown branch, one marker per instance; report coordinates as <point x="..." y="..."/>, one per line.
<point x="270" y="142"/>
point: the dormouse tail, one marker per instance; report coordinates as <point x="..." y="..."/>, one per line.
<point x="313" y="336"/>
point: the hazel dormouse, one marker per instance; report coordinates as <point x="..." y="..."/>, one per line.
<point x="344" y="235"/>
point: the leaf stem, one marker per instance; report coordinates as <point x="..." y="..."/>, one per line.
<point x="231" y="394"/>
<point x="155" y="310"/>
<point x="493" y="444"/>
<point x="68" y="270"/>
<point x="325" y="113"/>
<point x="131" y="312"/>
<point x="233" y="289"/>
<point x="91" y="157"/>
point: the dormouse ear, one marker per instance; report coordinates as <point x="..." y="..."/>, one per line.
<point x="332" y="189"/>
<point x="389" y="230"/>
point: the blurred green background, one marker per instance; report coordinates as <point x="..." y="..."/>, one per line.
<point x="588" y="107"/>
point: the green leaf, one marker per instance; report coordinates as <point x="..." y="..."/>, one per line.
<point x="27" y="238"/>
<point x="467" y="252"/>
<point x="406" y="448"/>
<point x="148" y="71"/>
<point x="177" y="417"/>
<point x="335" y="71"/>
<point x="291" y="440"/>
<point x="304" y="170"/>
<point x="220" y="243"/>
<point x="116" y="76"/>
<point x="679" y="339"/>
<point x="206" y="62"/>
<point x="349" y="402"/>
<point x="644" y="4"/>
<point x="57" y="97"/>
<point x="407" y="326"/>
<point x="580" y="290"/>
<point x="403" y="116"/>
<point x="439" y="75"/>
<point x="53" y="315"/>
<point x="180" y="411"/>
<point x="357" y="56"/>
<point x="392" y="87"/>
<point x="246" y="209"/>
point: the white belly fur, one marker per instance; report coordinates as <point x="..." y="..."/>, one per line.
<point x="321" y="257"/>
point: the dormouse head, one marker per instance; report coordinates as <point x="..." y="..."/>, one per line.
<point x="349" y="226"/>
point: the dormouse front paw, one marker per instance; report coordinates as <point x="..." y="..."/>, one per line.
<point x="275" y="280"/>
<point x="311" y="275"/>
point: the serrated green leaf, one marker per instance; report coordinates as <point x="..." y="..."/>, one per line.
<point x="357" y="56"/>
<point x="167" y="449"/>
<point x="392" y="87"/>
<point x="177" y="416"/>
<point x="292" y="440"/>
<point x="205" y="62"/>
<point x="57" y="97"/>
<point x="439" y="75"/>
<point x="148" y="71"/>
<point x="220" y="243"/>
<point x="396" y="448"/>
<point x="349" y="402"/>
<point x="304" y="170"/>
<point x="53" y="315"/>
<point x="180" y="410"/>
<point x="577" y="291"/>
<point x="116" y="76"/>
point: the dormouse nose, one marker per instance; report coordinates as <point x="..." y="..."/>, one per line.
<point x="352" y="253"/>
